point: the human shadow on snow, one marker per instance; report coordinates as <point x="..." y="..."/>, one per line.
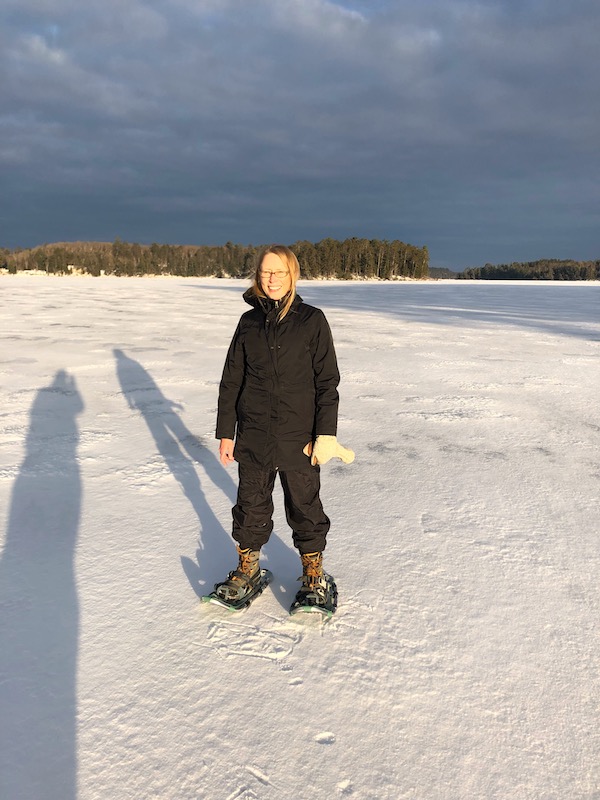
<point x="183" y="453"/>
<point x="39" y="609"/>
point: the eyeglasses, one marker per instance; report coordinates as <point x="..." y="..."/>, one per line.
<point x="279" y="274"/>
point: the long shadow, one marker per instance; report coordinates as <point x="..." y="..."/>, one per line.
<point x="182" y="451"/>
<point x="39" y="610"/>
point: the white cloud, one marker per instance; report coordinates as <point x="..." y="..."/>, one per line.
<point x="35" y="49"/>
<point x="316" y="17"/>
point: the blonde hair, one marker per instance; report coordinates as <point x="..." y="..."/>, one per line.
<point x="291" y="262"/>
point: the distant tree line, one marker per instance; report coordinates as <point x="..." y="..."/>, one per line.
<point x="329" y="258"/>
<point x="543" y="270"/>
<point x="441" y="273"/>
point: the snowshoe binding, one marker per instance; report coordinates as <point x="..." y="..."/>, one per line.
<point x="243" y="585"/>
<point x="318" y="592"/>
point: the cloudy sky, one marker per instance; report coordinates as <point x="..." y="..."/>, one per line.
<point x="471" y="127"/>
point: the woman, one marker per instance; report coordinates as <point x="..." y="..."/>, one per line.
<point x="278" y="406"/>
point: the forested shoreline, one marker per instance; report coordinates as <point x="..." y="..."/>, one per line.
<point x="349" y="259"/>
<point x="543" y="270"/>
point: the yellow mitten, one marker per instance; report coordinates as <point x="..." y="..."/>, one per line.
<point x="325" y="448"/>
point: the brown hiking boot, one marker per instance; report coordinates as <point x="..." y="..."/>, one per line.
<point x="248" y="564"/>
<point x="242" y="580"/>
<point x="313" y="576"/>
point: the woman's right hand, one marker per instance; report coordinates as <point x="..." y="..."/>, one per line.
<point x="226" y="452"/>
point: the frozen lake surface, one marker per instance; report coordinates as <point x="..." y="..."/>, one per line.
<point x="464" y="660"/>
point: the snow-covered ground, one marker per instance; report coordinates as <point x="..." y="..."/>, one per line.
<point x="464" y="660"/>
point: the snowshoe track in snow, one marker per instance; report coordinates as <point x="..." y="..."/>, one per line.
<point x="252" y="641"/>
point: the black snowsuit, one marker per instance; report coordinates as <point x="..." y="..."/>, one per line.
<point x="278" y="392"/>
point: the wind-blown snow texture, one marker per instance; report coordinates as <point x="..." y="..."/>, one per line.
<point x="464" y="659"/>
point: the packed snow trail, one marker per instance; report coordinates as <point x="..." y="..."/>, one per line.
<point x="463" y="659"/>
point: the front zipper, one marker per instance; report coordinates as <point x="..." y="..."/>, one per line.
<point x="271" y="320"/>
<point x="273" y="347"/>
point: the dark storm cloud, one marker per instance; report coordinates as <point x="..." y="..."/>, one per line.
<point x="469" y="127"/>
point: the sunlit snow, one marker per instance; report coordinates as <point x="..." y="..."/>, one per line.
<point x="464" y="660"/>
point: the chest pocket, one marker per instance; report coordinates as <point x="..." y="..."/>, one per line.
<point x="294" y="357"/>
<point x="258" y="362"/>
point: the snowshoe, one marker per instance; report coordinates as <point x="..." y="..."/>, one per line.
<point x="323" y="601"/>
<point x="243" y="585"/>
<point x="223" y="596"/>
